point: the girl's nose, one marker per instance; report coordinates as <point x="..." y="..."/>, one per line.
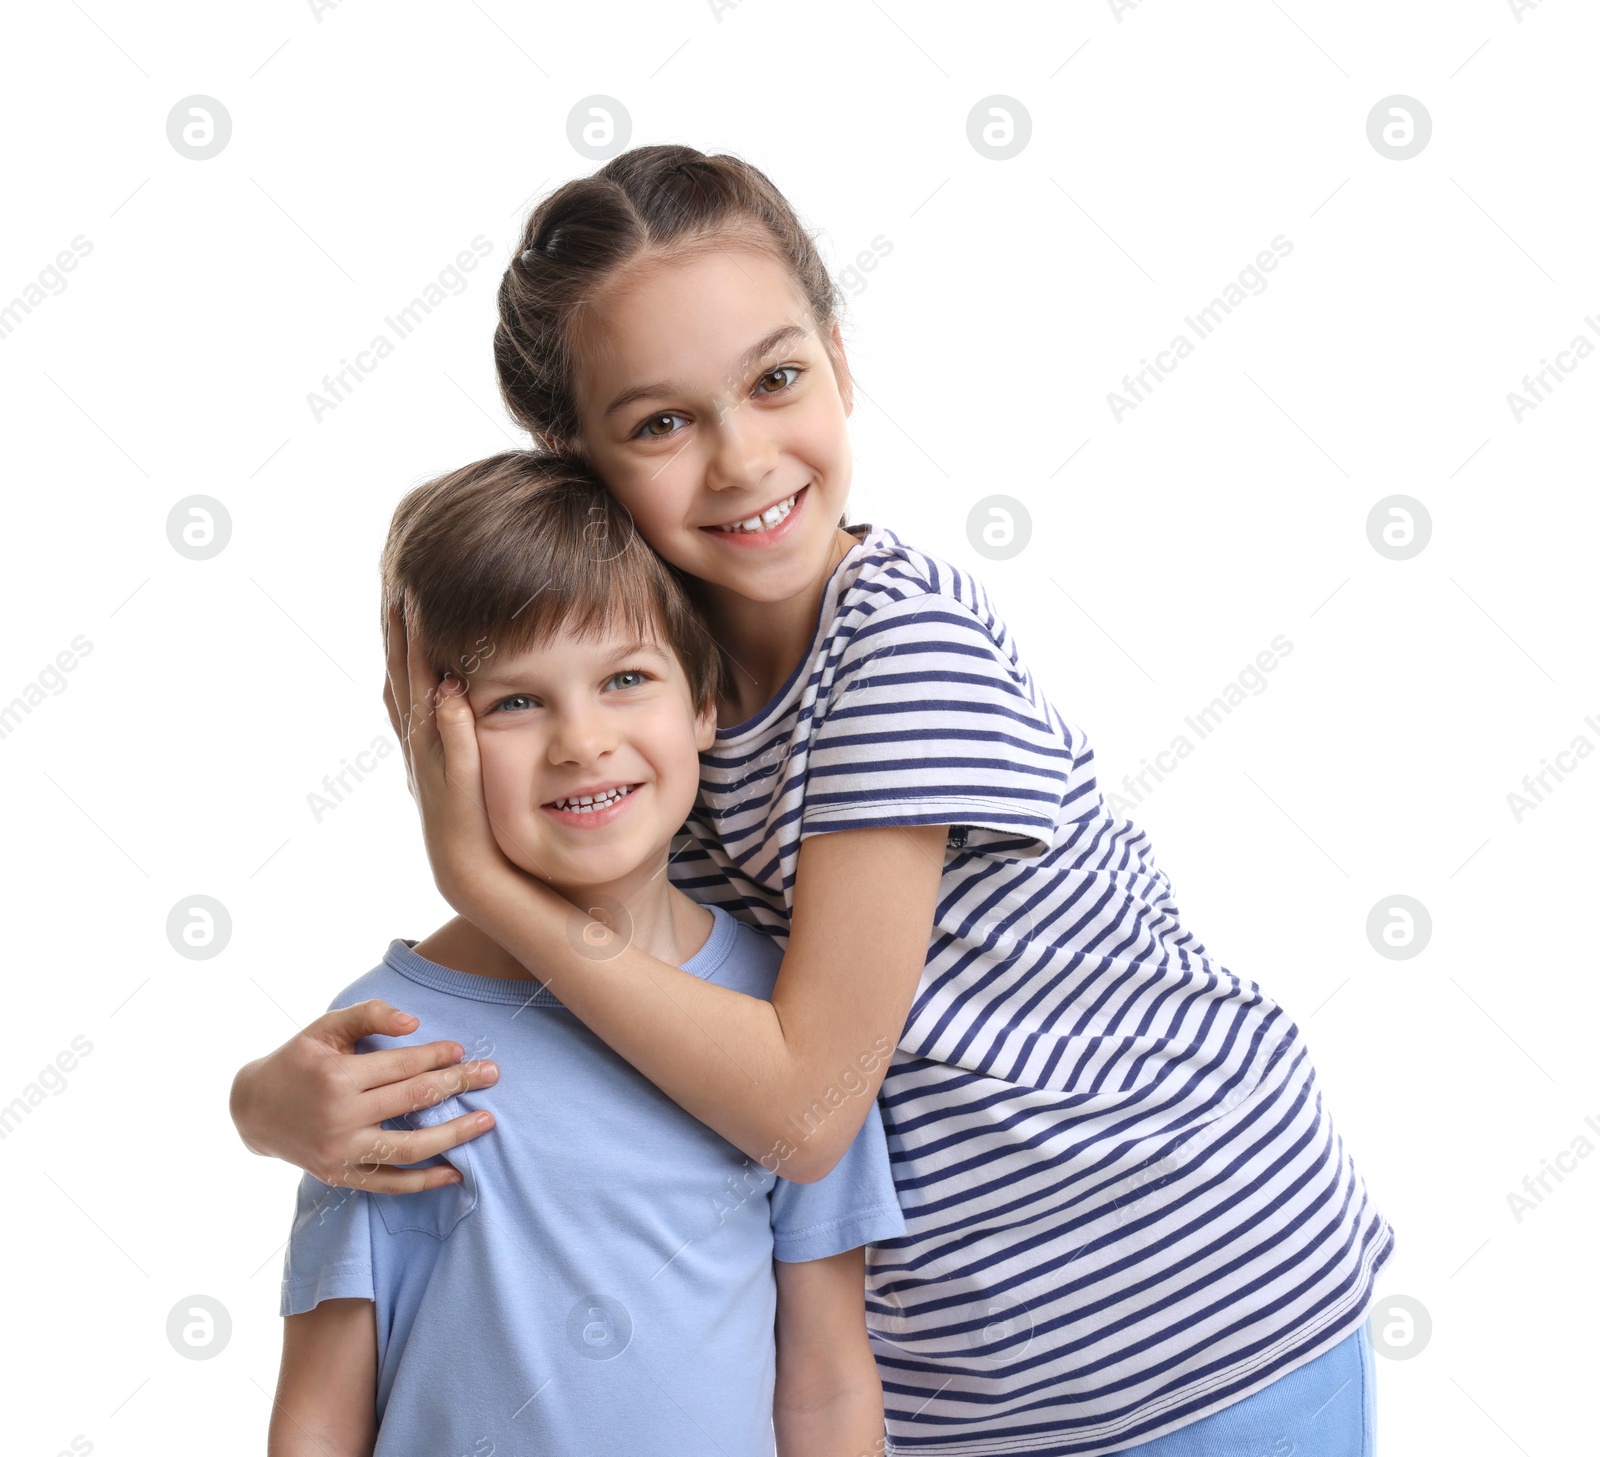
<point x="744" y="452"/>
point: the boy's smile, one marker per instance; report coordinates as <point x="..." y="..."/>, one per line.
<point x="588" y="809"/>
<point x="590" y="755"/>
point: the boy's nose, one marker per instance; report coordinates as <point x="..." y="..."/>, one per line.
<point x="581" y="739"/>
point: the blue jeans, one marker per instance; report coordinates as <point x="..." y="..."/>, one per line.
<point x="1326" y="1408"/>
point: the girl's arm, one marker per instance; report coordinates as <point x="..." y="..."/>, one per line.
<point x="764" y="1075"/>
<point x="327" y="1399"/>
<point x="767" y="1076"/>
<point x="828" y="1400"/>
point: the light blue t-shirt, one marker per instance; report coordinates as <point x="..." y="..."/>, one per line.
<point x="601" y="1279"/>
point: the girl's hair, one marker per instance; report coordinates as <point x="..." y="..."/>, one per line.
<point x="499" y="555"/>
<point x="661" y="201"/>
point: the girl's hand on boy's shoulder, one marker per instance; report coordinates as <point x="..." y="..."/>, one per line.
<point x="318" y="1104"/>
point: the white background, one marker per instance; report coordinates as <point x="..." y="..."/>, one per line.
<point x="1169" y="145"/>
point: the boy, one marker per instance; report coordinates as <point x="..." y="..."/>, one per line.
<point x="602" y="1276"/>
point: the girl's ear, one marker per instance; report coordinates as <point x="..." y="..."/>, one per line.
<point x="841" y="367"/>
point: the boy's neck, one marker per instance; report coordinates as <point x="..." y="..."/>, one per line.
<point x="665" y="924"/>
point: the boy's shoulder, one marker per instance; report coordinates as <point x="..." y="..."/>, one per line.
<point x="738" y="956"/>
<point x="383" y="980"/>
<point x="734" y="954"/>
<point x="442" y="1000"/>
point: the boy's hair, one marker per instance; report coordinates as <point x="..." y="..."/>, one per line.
<point x="499" y="555"/>
<point x="666" y="201"/>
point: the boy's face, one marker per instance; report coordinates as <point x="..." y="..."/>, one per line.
<point x="577" y="717"/>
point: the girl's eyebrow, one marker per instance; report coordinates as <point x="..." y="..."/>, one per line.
<point x="781" y="335"/>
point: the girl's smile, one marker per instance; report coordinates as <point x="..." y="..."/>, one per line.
<point x="764" y="527"/>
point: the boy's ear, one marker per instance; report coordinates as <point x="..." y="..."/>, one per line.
<point x="705" y="725"/>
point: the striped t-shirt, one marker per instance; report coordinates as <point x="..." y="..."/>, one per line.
<point x="1126" y="1206"/>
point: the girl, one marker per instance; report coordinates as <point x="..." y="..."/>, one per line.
<point x="1131" y="1225"/>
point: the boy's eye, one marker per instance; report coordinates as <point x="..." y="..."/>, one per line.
<point x="778" y="375"/>
<point x="512" y="702"/>
<point x="649" y="428"/>
<point x="633" y="673"/>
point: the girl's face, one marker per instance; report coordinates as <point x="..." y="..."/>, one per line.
<point x="709" y="405"/>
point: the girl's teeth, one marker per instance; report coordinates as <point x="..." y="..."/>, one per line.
<point x="768" y="518"/>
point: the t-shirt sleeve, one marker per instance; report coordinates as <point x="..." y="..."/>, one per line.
<point x="854" y="1205"/>
<point x="329" y="1255"/>
<point x="930" y="719"/>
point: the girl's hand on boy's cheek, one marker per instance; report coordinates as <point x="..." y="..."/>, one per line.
<point x="468" y="863"/>
<point x="438" y="738"/>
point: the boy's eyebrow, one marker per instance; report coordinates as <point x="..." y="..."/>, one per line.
<point x="781" y="335"/>
<point x="624" y="650"/>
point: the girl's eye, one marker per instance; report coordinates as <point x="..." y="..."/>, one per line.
<point x="633" y="673"/>
<point x="649" y="431"/>
<point x="778" y="374"/>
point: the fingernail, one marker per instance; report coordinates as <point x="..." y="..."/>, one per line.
<point x="484" y="1120"/>
<point x="491" y="1073"/>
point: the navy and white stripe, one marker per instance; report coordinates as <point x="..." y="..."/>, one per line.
<point x="1126" y="1206"/>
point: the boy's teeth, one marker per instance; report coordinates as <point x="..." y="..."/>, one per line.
<point x="589" y="803"/>
<point x="768" y="518"/>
